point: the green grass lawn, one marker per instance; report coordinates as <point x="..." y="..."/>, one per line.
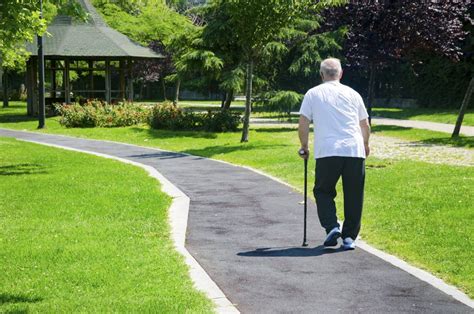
<point x="80" y="233"/>
<point x="425" y="114"/>
<point x="421" y="212"/>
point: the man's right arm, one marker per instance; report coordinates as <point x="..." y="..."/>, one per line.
<point x="365" y="127"/>
<point x="303" y="133"/>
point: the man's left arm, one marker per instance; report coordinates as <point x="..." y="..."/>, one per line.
<point x="365" y="128"/>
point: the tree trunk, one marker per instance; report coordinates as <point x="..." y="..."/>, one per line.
<point x="370" y="94"/>
<point x="5" y="88"/>
<point x="228" y="100"/>
<point x="176" y="94"/>
<point x="462" y="111"/>
<point x="223" y="100"/>
<point x="248" y="102"/>
<point x="163" y="85"/>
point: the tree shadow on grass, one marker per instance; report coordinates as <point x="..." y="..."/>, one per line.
<point x="15" y="118"/>
<point x="290" y="252"/>
<point x="382" y="128"/>
<point x="274" y="129"/>
<point x="407" y="113"/>
<point x="6" y="298"/>
<point x="163" y="134"/>
<point x="461" y="141"/>
<point x="211" y="151"/>
<point x="21" y="169"/>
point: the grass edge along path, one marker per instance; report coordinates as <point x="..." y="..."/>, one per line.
<point x="93" y="235"/>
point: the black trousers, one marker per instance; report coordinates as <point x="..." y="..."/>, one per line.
<point x="328" y="172"/>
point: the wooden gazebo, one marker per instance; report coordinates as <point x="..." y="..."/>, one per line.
<point x="84" y="60"/>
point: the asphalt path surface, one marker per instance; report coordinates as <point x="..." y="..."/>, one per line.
<point x="245" y="229"/>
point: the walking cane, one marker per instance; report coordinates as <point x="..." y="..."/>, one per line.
<point x="302" y="153"/>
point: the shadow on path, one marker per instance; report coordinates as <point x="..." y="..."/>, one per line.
<point x="160" y="155"/>
<point x="290" y="252"/>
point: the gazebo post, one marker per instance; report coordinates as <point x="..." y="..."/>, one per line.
<point x="53" y="79"/>
<point x="29" y="88"/>
<point x="91" y="78"/>
<point x="107" y="81"/>
<point x="67" y="88"/>
<point x="122" y="80"/>
<point x="34" y="86"/>
<point x="130" y="80"/>
<point x="5" y="87"/>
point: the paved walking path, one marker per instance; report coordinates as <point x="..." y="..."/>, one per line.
<point x="245" y="230"/>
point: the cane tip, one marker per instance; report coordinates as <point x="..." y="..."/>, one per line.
<point x="305" y="244"/>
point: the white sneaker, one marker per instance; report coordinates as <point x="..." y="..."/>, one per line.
<point x="331" y="238"/>
<point x="348" y="244"/>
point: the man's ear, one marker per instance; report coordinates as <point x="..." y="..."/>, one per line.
<point x="340" y="75"/>
<point x="322" y="76"/>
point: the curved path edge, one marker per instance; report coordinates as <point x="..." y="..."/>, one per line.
<point x="178" y="219"/>
<point x="179" y="215"/>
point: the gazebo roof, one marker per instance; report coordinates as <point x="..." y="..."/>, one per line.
<point x="93" y="38"/>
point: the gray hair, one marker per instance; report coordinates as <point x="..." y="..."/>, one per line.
<point x="331" y="68"/>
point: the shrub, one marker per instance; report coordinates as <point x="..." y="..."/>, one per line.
<point x="221" y="121"/>
<point x="96" y="113"/>
<point x="171" y="117"/>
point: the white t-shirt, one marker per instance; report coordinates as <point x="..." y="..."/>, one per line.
<point x="335" y="110"/>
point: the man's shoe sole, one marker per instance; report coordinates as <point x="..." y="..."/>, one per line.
<point x="348" y="247"/>
<point x="332" y="241"/>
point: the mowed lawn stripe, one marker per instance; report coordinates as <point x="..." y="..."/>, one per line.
<point x="83" y="233"/>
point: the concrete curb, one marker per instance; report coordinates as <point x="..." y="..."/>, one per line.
<point x="418" y="273"/>
<point x="178" y="219"/>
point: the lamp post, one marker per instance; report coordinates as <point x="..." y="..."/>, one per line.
<point x="41" y="113"/>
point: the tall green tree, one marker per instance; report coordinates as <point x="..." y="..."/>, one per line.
<point x="256" y="23"/>
<point x="384" y="32"/>
<point x="256" y="27"/>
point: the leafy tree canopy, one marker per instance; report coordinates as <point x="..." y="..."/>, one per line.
<point x="144" y="22"/>
<point x="20" y="21"/>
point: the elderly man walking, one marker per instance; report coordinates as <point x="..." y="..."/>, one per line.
<point x="341" y="144"/>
